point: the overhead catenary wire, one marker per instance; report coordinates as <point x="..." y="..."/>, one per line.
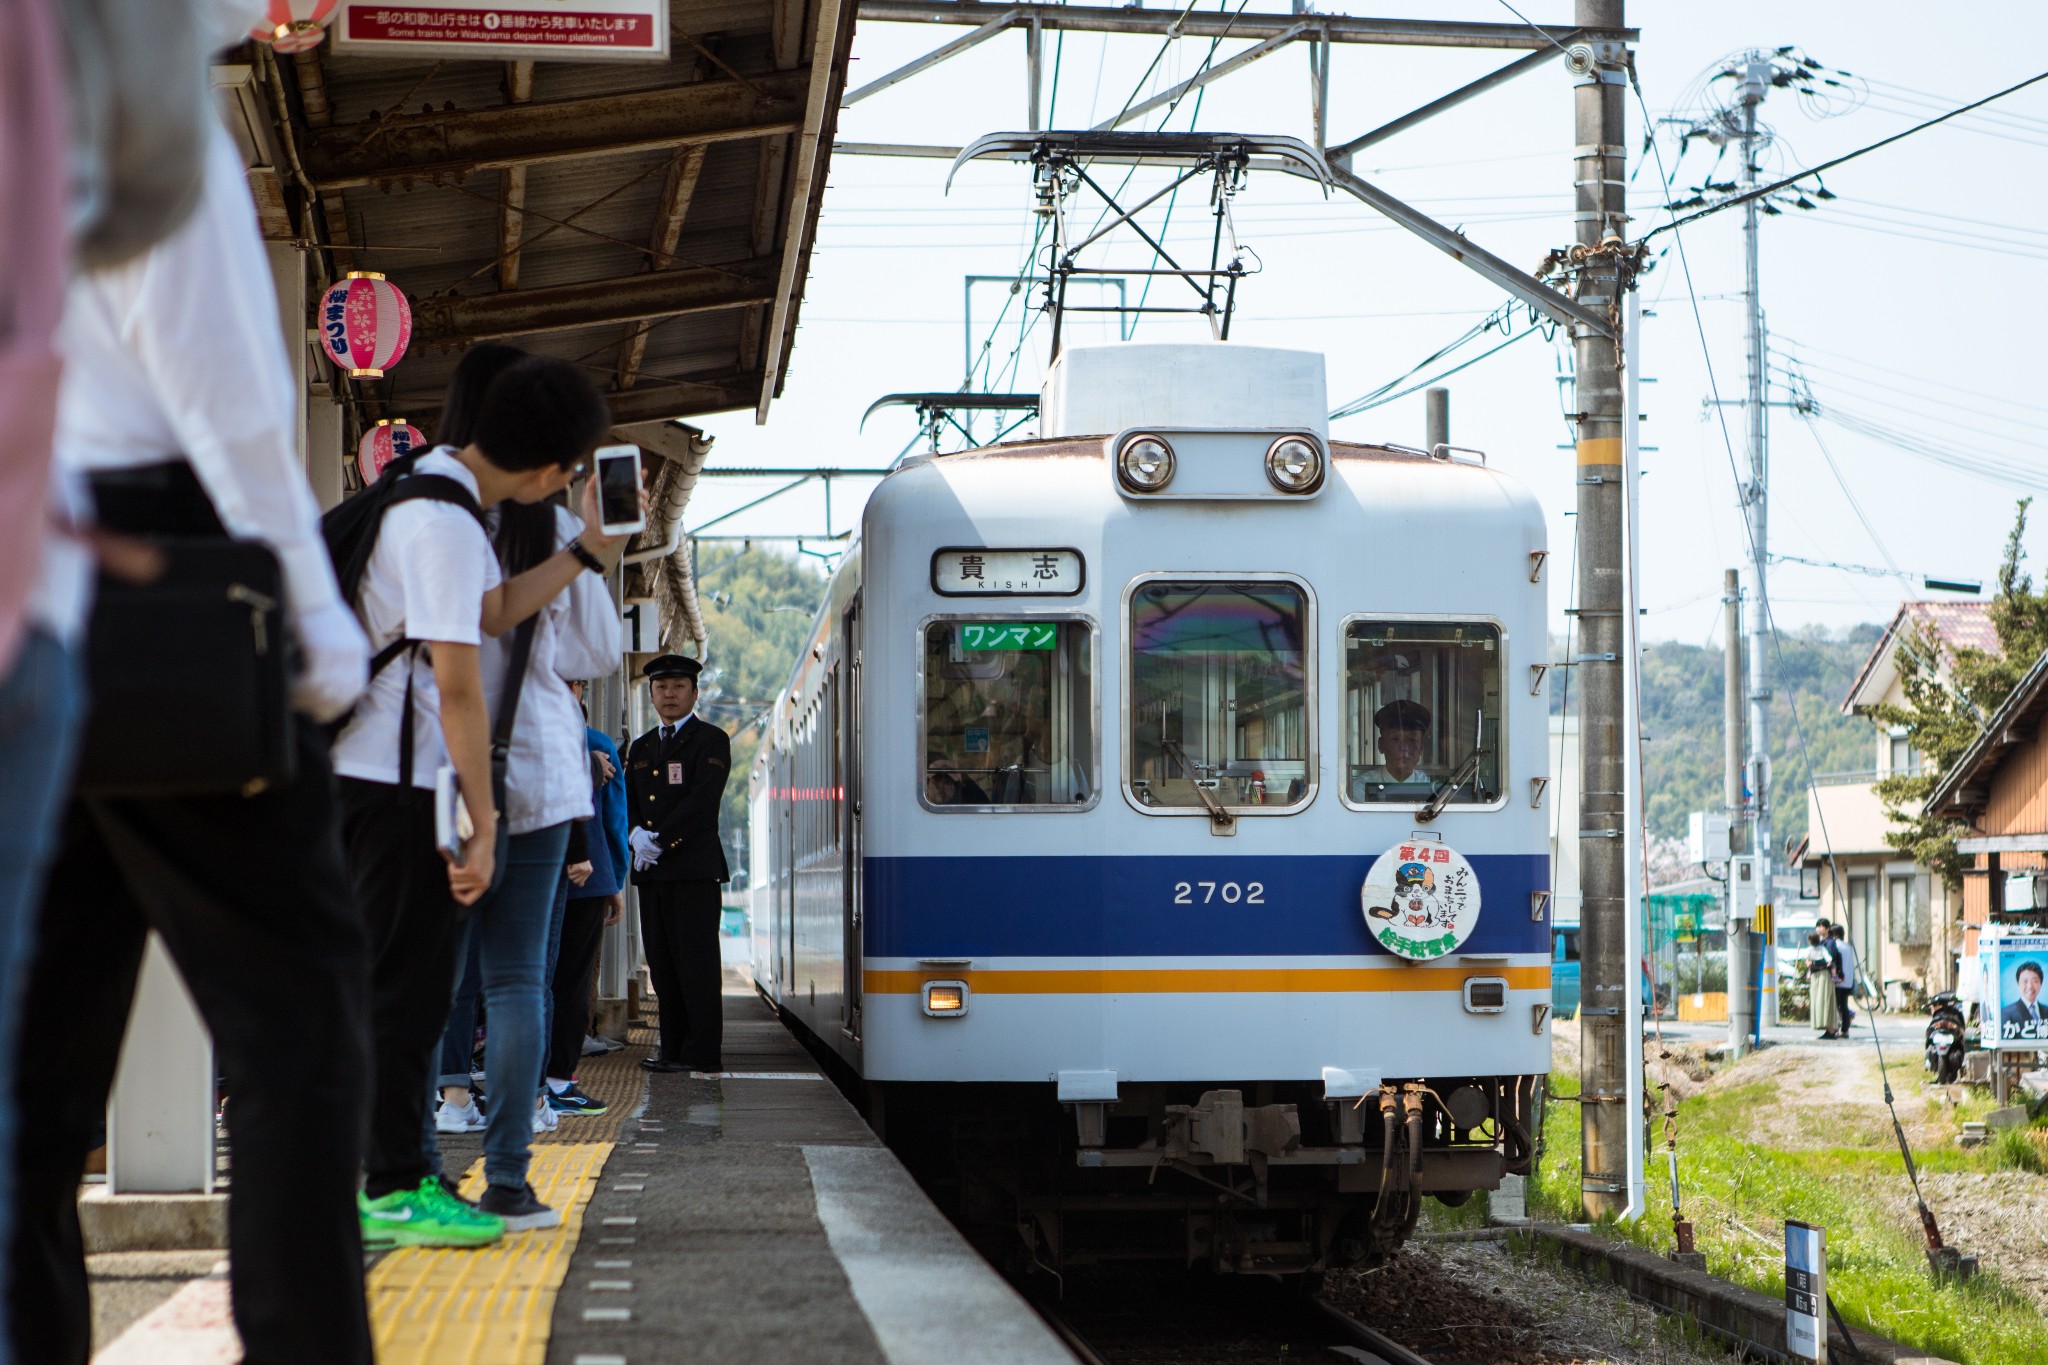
<point x="1732" y="200"/>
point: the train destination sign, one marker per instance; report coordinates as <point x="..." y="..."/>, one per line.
<point x="1421" y="899"/>
<point x="978" y="571"/>
<point x="990" y="636"/>
<point x="505" y="30"/>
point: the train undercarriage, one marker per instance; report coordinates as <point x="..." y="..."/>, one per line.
<point x="1260" y="1178"/>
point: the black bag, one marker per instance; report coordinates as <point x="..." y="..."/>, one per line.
<point x="350" y="530"/>
<point x="190" y="674"/>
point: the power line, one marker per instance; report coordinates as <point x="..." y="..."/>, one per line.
<point x="1777" y="185"/>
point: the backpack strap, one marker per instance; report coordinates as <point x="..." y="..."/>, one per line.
<point x="435" y="488"/>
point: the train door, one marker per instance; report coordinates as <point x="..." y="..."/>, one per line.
<point x="847" y="758"/>
<point x="785" y="834"/>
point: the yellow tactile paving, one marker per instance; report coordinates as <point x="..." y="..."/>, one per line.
<point x="492" y="1306"/>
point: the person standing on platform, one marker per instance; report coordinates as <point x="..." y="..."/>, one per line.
<point x="178" y="405"/>
<point x="675" y="779"/>
<point x="594" y="903"/>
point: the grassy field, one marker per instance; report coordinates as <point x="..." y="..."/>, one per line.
<point x="1739" y="1193"/>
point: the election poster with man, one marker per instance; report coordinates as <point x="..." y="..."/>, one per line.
<point x="2015" y="1013"/>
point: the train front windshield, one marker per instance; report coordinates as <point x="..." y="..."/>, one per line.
<point x="1219" y="694"/>
<point x="1008" y="714"/>
<point x="1422" y="711"/>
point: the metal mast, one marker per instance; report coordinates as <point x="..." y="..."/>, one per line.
<point x="1605" y="971"/>
<point x="1755" y="82"/>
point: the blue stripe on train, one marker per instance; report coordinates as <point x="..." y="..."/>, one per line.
<point x="1125" y="906"/>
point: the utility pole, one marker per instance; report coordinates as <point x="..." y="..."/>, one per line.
<point x="1753" y="84"/>
<point x="1605" y="971"/>
<point x="1732" y="703"/>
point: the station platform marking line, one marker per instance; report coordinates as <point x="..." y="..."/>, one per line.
<point x="494" y="1305"/>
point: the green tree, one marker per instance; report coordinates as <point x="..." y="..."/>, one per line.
<point x="1946" y="709"/>
<point x="758" y="607"/>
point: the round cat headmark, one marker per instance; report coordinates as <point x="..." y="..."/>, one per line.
<point x="1421" y="899"/>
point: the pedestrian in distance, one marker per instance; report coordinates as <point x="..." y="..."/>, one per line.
<point x="1846" y="977"/>
<point x="1820" y="994"/>
<point x="178" y="404"/>
<point x="675" y="778"/>
<point x="430" y="592"/>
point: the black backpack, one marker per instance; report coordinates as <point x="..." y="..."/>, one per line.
<point x="350" y="529"/>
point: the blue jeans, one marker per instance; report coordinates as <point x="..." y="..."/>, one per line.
<point x="510" y="929"/>
<point x="42" y="705"/>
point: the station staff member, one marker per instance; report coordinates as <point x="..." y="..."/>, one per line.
<point x="675" y="778"/>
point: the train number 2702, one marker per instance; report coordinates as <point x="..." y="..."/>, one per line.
<point x="1251" y="893"/>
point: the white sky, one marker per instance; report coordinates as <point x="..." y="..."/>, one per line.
<point x="1908" y="299"/>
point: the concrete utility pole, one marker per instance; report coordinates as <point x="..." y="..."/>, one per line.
<point x="1605" y="971"/>
<point x="1739" y="965"/>
<point x="1755" y="82"/>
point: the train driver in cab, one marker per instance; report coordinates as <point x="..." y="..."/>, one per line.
<point x="1402" y="726"/>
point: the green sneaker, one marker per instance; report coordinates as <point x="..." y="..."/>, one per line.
<point x="429" y="1216"/>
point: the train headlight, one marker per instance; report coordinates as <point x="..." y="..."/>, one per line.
<point x="945" y="999"/>
<point x="1145" y="464"/>
<point x="1294" y="465"/>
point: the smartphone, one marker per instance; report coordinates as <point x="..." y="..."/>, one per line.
<point x="452" y="825"/>
<point x="618" y="490"/>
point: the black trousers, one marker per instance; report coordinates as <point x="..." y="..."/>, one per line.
<point x="401" y="883"/>
<point x="679" y="929"/>
<point x="251" y="899"/>
<point x="575" y="964"/>
<point x="1843" y="1007"/>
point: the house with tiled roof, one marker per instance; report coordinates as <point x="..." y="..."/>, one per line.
<point x="1999" y="789"/>
<point x="1906" y="924"/>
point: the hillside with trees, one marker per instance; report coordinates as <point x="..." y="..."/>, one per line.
<point x="757" y="607"/>
<point x="1683" y="723"/>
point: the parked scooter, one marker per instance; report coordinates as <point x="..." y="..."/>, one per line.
<point x="1945" y="1037"/>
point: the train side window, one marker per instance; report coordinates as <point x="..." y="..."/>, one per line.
<point x="1422" y="712"/>
<point x="1006" y="720"/>
<point x="1219" y="696"/>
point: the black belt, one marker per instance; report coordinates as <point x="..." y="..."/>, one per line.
<point x="164" y="499"/>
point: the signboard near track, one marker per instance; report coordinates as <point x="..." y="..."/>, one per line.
<point x="505" y="30"/>
<point x="1806" y="1292"/>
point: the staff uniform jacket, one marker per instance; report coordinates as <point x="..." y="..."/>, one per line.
<point x="578" y="635"/>
<point x="683" y="815"/>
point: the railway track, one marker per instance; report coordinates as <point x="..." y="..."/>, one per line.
<point x="1146" y="1320"/>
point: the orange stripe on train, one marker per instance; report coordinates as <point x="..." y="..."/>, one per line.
<point x="1196" y="981"/>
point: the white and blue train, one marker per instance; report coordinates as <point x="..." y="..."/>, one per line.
<point x="1155" y="821"/>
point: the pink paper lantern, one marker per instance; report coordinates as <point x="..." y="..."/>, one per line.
<point x="365" y="324"/>
<point x="295" y="25"/>
<point x="384" y="443"/>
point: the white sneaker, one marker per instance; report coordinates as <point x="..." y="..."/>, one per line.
<point x="544" y="1120"/>
<point x="595" y="1046"/>
<point x="466" y="1118"/>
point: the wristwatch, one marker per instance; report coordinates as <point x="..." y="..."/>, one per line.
<point x="585" y="558"/>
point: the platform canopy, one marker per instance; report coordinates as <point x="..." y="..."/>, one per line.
<point x="649" y="218"/>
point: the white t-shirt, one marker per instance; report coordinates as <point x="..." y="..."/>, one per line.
<point x="547" y="772"/>
<point x="425" y="580"/>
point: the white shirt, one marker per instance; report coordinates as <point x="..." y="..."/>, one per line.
<point x="425" y="580"/>
<point x="180" y="352"/>
<point x="578" y="635"/>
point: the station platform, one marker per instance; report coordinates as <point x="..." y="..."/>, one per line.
<point x="750" y="1214"/>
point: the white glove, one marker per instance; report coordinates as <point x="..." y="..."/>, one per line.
<point x="646" y="849"/>
<point x="334" y="662"/>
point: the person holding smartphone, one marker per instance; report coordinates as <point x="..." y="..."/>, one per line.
<point x="433" y="577"/>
